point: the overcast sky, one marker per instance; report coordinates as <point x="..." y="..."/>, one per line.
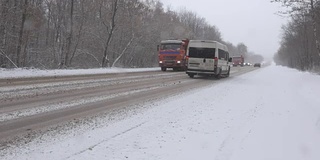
<point x="252" y="22"/>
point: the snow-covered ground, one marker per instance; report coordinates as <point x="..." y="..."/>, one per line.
<point x="25" y="73"/>
<point x="272" y="113"/>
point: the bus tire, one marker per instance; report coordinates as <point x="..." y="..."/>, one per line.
<point x="190" y="75"/>
<point x="218" y="76"/>
<point x="163" y="68"/>
<point x="228" y="74"/>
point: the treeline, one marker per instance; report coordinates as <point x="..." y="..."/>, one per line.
<point x="300" y="47"/>
<point x="51" y="34"/>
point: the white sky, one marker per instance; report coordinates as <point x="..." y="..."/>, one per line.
<point x="227" y="120"/>
<point x="252" y="22"/>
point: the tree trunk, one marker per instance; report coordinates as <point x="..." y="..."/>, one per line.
<point x="20" y="40"/>
<point x="123" y="51"/>
<point x="3" y="32"/>
<point x="112" y="27"/>
<point x="79" y="34"/>
<point x="24" y="56"/>
<point x="69" y="38"/>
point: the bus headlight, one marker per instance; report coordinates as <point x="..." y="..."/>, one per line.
<point x="178" y="61"/>
<point x="160" y="61"/>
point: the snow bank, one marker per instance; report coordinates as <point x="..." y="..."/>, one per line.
<point x="19" y="73"/>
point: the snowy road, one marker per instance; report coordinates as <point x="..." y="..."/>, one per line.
<point x="270" y="113"/>
<point x="30" y="106"/>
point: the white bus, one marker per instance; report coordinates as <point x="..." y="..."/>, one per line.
<point x="207" y="57"/>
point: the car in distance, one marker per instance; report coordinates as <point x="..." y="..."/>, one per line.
<point x="257" y="65"/>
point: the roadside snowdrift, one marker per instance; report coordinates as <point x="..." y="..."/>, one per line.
<point x="26" y="73"/>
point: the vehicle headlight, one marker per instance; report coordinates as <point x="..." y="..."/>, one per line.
<point x="178" y="61"/>
<point x="160" y="61"/>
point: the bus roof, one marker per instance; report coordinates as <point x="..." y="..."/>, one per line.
<point x="207" y="43"/>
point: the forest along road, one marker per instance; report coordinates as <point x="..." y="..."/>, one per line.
<point x="30" y="105"/>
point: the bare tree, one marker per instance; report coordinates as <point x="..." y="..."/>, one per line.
<point x="128" y="7"/>
<point x="70" y="35"/>
<point x="21" y="32"/>
<point x="109" y="27"/>
<point x="3" y="30"/>
<point x="242" y="49"/>
<point x="300" y="46"/>
<point x="307" y="8"/>
<point x="85" y="34"/>
<point x="81" y="24"/>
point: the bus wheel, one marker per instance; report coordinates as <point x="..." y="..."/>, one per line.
<point x="228" y="74"/>
<point x="163" y="68"/>
<point x="191" y="75"/>
<point x="218" y="76"/>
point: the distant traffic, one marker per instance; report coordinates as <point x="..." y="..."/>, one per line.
<point x="198" y="57"/>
